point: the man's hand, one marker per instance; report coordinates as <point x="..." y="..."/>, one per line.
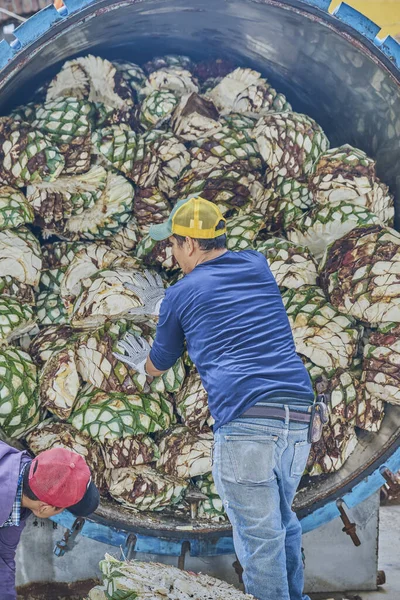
<point x="137" y="350"/>
<point x="150" y="291"/>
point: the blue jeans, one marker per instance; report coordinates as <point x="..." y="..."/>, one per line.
<point x="257" y="467"/>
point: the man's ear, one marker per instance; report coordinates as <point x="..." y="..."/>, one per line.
<point x="191" y="245"/>
<point x="45" y="509"/>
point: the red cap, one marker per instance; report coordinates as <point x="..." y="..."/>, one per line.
<point x="59" y="477"/>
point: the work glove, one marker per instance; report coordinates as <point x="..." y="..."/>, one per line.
<point x="137" y="350"/>
<point x="150" y="291"/>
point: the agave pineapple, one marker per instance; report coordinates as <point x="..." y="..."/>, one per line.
<point x="9" y="286"/>
<point x="362" y="281"/>
<point x="50" y="340"/>
<point x="50" y="309"/>
<point x="290" y="143"/>
<point x="98" y="365"/>
<point x="26" y="155"/>
<point x="213" y="507"/>
<point x="232" y="144"/>
<point x="325" y="224"/>
<point x="56" y="202"/>
<point x="113" y="415"/>
<point x="19" y="403"/>
<point x="244" y="90"/>
<point x="157" y="107"/>
<point x="381" y="363"/>
<point x="333" y="449"/>
<point x="160" y="160"/>
<point x="242" y="231"/>
<point x="154" y="253"/>
<point x="86" y="262"/>
<point x="20" y="256"/>
<point x="174" y="78"/>
<point x="129" y="451"/>
<point x="195" y="117"/>
<point x="66" y="121"/>
<point x="278" y="212"/>
<point x="16" y="319"/>
<point x="192" y="403"/>
<point x="60" y="383"/>
<point x="342" y="174"/>
<point x="144" y="489"/>
<point x="151" y="206"/>
<point x="158" y="581"/>
<point x="328" y="338"/>
<point x="230" y="188"/>
<point x="15" y="210"/>
<point x="96" y="80"/>
<point x="185" y="453"/>
<point x="292" y="265"/>
<point x="169" y="60"/>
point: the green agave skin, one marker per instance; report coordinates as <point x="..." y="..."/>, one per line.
<point x="359" y="274"/>
<point x="325" y="224"/>
<point x="26" y="155"/>
<point x="14" y="208"/>
<point x="291" y="264"/>
<point x="50" y="309"/>
<point x="98" y="365"/>
<point x="16" y="319"/>
<point x="321" y="333"/>
<point x="185" y="453"/>
<point x="113" y="415"/>
<point x="381" y="360"/>
<point x="213" y="507"/>
<point x="290" y="143"/>
<point x="242" y="231"/>
<point x="342" y="174"/>
<point x="19" y="403"/>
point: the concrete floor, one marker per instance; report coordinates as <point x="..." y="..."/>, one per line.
<point x="389" y="560"/>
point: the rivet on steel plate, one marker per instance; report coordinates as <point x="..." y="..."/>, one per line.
<point x="349" y="527"/>
<point x="392" y="480"/>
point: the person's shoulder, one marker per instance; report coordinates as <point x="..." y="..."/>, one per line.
<point x="177" y="288"/>
<point x="252" y="255"/>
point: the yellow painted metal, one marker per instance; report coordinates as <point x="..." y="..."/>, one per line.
<point x="385" y="13"/>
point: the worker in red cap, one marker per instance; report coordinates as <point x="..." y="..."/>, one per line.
<point x="53" y="481"/>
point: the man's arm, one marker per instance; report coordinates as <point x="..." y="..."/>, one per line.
<point x="169" y="341"/>
<point x="9" y="538"/>
<point x="167" y="347"/>
<point x="151" y="370"/>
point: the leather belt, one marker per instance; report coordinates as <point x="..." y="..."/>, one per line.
<point x="269" y="412"/>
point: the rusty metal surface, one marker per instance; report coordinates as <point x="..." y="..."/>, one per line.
<point x="168" y="523"/>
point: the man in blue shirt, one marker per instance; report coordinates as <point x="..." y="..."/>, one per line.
<point x="229" y="309"/>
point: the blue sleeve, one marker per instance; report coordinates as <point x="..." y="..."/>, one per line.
<point x="168" y="344"/>
<point x="9" y="538"/>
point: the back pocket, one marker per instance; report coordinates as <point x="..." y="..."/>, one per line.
<point x="300" y="456"/>
<point x="252" y="457"/>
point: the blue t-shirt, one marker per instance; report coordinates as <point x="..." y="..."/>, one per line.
<point x="231" y="313"/>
